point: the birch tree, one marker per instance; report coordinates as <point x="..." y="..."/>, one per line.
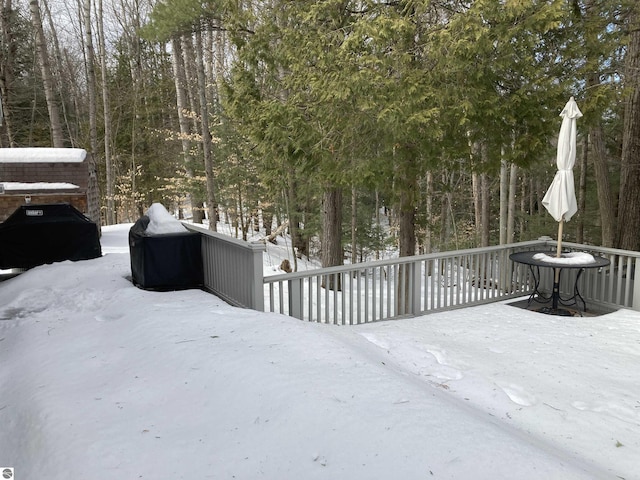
<point x="92" y="95"/>
<point x="106" y="112"/>
<point x="182" y="107"/>
<point x="57" y="135"/>
<point x="205" y="132"/>
<point x="94" y="196"/>
<point x="8" y="46"/>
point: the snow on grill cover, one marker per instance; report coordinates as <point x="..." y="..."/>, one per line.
<point x="164" y="254"/>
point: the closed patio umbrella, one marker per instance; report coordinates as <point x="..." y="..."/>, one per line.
<point x="560" y="199"/>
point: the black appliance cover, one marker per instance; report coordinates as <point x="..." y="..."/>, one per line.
<point x="38" y="234"/>
<point x="168" y="261"/>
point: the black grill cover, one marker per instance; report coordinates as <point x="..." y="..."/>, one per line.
<point x="38" y="234"/>
<point x="168" y="261"/>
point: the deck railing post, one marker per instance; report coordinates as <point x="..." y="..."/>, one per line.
<point x="636" y="285"/>
<point x="295" y="298"/>
<point x="233" y="269"/>
<point x="415" y="288"/>
<point x="256" y="276"/>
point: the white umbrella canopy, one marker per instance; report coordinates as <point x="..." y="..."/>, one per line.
<point x="560" y="199"/>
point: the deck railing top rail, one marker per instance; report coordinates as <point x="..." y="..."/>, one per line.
<point x="396" y="287"/>
<point x="255" y="246"/>
<point x="407" y="260"/>
<point x="593" y="248"/>
<point x="232" y="268"/>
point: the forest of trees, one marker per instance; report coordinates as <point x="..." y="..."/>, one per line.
<point x="357" y="124"/>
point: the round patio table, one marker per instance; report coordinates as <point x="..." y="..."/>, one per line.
<point x="527" y="258"/>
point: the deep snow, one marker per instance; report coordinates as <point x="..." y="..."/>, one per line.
<point x="102" y="380"/>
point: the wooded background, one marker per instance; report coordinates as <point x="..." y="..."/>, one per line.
<point x="358" y="125"/>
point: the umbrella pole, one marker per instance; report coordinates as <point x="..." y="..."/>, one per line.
<point x="556" y="271"/>
<point x="560" y="226"/>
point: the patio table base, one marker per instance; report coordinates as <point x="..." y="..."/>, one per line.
<point x="555" y="298"/>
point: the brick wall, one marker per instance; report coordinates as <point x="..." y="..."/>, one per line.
<point x="76" y="173"/>
<point x="52" y="172"/>
<point x="9" y="203"/>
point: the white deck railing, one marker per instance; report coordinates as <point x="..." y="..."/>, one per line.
<point x="417" y="285"/>
<point x="408" y="286"/>
<point x="612" y="286"/>
<point x="232" y="268"/>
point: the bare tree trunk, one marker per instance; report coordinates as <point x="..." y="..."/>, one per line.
<point x="447" y="217"/>
<point x="6" y="131"/>
<point x="278" y="231"/>
<point x="485" y="209"/>
<point x="219" y="58"/>
<point x="332" y="227"/>
<point x="605" y="197"/>
<point x="6" y="72"/>
<point x="207" y="143"/>
<point x="511" y="207"/>
<point x="445" y="231"/>
<point x="110" y="181"/>
<point x="94" y="207"/>
<point x="378" y="221"/>
<point x="428" y="212"/>
<point x="542" y="212"/>
<point x="524" y="198"/>
<point x="504" y="201"/>
<point x="332" y="254"/>
<point x="191" y="81"/>
<point x="61" y="86"/>
<point x="407" y="243"/>
<point x="209" y="67"/>
<point x="582" y="190"/>
<point x="241" y="214"/>
<point x="628" y="234"/>
<point x="532" y="196"/>
<point x="299" y="240"/>
<point x="57" y="136"/>
<point x="477" y="204"/>
<point x="480" y="187"/>
<point x="290" y="223"/>
<point x="2" y="122"/>
<point x="180" y="81"/>
<point x="407" y="219"/>
<point x="354" y="225"/>
<point x="267" y="220"/>
<point x="596" y="135"/>
<point x="182" y="97"/>
<point x="91" y="77"/>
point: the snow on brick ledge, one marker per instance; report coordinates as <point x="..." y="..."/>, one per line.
<point x="42" y="155"/>
<point x="37" y="186"/>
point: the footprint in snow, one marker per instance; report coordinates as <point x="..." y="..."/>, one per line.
<point x="376" y="341"/>
<point x="519" y="395"/>
<point x="623" y="412"/>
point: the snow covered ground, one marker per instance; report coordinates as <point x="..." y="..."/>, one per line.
<point x="102" y="380"/>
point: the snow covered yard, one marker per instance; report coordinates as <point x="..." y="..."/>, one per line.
<point x="101" y="380"/>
